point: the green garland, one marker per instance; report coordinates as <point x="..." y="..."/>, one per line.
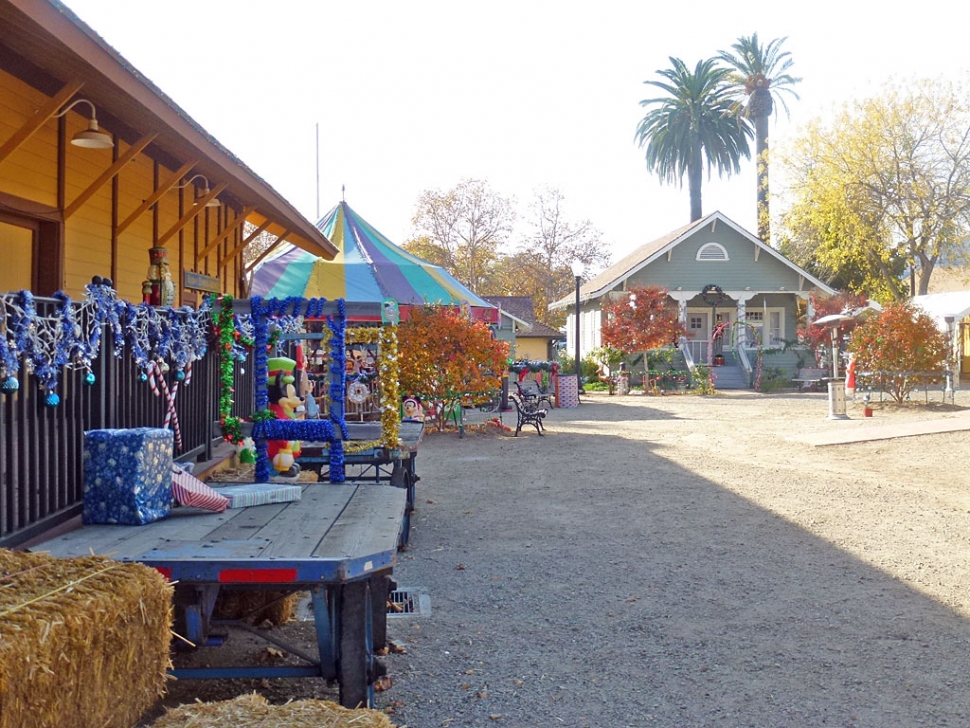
<point x="225" y="330"/>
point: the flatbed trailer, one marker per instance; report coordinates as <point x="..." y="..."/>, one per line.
<point x="339" y="542"/>
<point x="395" y="466"/>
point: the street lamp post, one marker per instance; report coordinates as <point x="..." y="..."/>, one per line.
<point x="578" y="273"/>
<point x="950" y="358"/>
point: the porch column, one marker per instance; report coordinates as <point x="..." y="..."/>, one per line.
<point x="742" y="297"/>
<point x="682" y="297"/>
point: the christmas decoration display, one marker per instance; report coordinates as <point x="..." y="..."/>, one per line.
<point x="285" y="405"/>
<point x="46" y="340"/>
<point x="267" y="312"/>
<point x="236" y="335"/>
<point x="256" y="330"/>
<point x="387" y="369"/>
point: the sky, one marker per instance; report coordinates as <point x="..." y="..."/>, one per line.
<point x="522" y="94"/>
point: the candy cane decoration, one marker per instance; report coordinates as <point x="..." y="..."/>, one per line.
<point x="171" y="416"/>
<point x="152" y="366"/>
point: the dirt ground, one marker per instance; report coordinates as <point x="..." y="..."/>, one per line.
<point x="680" y="561"/>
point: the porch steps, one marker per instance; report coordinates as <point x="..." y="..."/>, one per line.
<point x="730" y="377"/>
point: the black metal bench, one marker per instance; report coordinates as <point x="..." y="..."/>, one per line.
<point x="528" y="413"/>
<point x="809" y="377"/>
<point x="530" y="391"/>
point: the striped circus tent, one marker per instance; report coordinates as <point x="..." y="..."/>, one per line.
<point x="368" y="268"/>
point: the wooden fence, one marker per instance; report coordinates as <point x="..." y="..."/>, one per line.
<point x="41" y="447"/>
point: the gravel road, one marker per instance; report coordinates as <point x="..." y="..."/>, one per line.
<point x="687" y="561"/>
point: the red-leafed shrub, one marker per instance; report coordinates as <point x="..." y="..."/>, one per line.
<point x="902" y="348"/>
<point x="641" y="320"/>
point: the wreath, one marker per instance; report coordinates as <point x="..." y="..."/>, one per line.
<point x="712" y="295"/>
<point x="358" y="392"/>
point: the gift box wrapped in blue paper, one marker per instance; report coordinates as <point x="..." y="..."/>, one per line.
<point x="127" y="475"/>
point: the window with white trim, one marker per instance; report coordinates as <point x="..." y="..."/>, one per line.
<point x="775" y="325"/>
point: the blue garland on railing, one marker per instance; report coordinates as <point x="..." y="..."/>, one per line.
<point x="49" y="347"/>
<point x="19" y="320"/>
<point x="72" y="335"/>
<point x="105" y="311"/>
<point x="10" y="350"/>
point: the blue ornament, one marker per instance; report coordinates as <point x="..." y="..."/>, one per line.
<point x="52" y="399"/>
<point x="10" y="385"/>
<point x="180" y="375"/>
<point x="89" y="378"/>
<point x="143" y="377"/>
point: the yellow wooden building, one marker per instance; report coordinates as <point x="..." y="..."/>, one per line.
<point x="98" y="167"/>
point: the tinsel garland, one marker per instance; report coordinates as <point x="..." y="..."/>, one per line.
<point x="309" y="430"/>
<point x="338" y="384"/>
<point x="225" y="329"/>
<point x="260" y="379"/>
<point x="390" y="394"/>
<point x="386" y="339"/>
<point x="287" y="314"/>
<point x="71" y="336"/>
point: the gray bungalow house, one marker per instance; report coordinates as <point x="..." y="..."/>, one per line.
<point x="715" y="271"/>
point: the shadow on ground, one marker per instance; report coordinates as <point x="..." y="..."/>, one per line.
<point x="607" y="586"/>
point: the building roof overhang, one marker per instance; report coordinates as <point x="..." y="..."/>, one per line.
<point x="49" y="47"/>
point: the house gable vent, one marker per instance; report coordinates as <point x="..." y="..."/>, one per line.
<point x="712" y="251"/>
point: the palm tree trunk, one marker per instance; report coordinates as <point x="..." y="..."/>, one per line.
<point x="695" y="170"/>
<point x="761" y="156"/>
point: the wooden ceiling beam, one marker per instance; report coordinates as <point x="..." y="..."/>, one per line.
<point x="163" y="188"/>
<point x="43" y="115"/>
<point x="130" y="153"/>
<point x="226" y="232"/>
<point x="231" y="254"/>
<point x="196" y="210"/>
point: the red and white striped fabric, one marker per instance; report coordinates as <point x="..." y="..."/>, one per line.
<point x="190" y="491"/>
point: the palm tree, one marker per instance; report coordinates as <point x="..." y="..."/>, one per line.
<point x="761" y="75"/>
<point x="693" y="122"/>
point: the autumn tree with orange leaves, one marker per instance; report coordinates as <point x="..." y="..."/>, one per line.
<point x="445" y="359"/>
<point x="641" y="320"/>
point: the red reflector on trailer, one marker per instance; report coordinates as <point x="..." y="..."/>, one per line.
<point x="257" y="576"/>
<point x="165" y="571"/>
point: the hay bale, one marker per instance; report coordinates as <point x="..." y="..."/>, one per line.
<point x="83" y="642"/>
<point x="254" y="711"/>
<point x="257" y="607"/>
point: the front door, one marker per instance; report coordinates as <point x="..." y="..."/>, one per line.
<point x="698" y="332"/>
